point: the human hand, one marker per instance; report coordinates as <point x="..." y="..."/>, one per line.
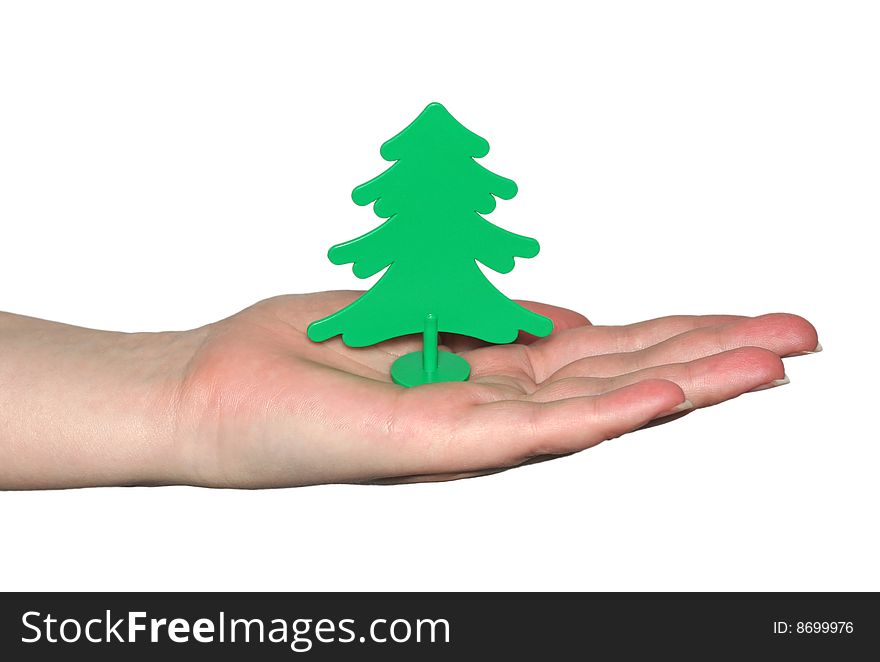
<point x="268" y="407"/>
<point x="250" y="401"/>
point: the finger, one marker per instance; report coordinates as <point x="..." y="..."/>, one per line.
<point x="508" y="432"/>
<point x="433" y="478"/>
<point x="563" y="319"/>
<point x="502" y="364"/>
<point x="780" y="333"/>
<point x="560" y="349"/>
<point x="705" y="382"/>
<point x="516" y="362"/>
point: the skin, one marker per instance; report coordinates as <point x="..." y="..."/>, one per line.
<point x="250" y="401"/>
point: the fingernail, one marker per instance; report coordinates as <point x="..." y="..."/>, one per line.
<point x="683" y="406"/>
<point x="776" y="382"/>
<point x="809" y="351"/>
<point x="668" y="414"/>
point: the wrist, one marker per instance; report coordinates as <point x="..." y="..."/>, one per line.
<point x="80" y="407"/>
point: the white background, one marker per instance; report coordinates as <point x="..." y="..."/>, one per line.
<point x="165" y="164"/>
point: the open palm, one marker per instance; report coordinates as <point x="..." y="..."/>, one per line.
<point x="262" y="405"/>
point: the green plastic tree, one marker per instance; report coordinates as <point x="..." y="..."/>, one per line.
<point x="432" y="198"/>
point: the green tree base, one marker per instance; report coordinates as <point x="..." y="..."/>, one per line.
<point x="409" y="370"/>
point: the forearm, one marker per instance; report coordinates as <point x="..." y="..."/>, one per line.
<point x="82" y="407"/>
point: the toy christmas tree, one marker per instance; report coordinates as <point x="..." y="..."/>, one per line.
<point x="433" y="198"/>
